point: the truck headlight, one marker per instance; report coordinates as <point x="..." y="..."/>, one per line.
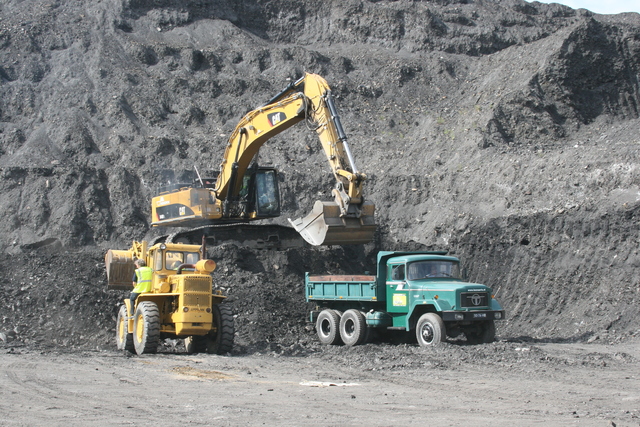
<point x="458" y="316"/>
<point x="498" y="315"/>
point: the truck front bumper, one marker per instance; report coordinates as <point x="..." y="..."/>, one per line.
<point x="472" y="316"/>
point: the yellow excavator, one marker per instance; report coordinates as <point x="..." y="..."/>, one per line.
<point x="243" y="191"/>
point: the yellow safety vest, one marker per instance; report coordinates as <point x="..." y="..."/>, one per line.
<point x="143" y="280"/>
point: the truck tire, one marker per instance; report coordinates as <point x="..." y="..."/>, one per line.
<point x="327" y="327"/>
<point x="430" y="330"/>
<point x="220" y="341"/>
<point x="124" y="338"/>
<point x="146" y="328"/>
<point x="353" y="327"/>
<point x="489" y="332"/>
<point x="483" y="333"/>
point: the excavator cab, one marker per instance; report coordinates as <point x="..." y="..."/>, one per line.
<point x="260" y="194"/>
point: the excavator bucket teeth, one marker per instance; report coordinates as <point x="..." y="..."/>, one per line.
<point x="325" y="226"/>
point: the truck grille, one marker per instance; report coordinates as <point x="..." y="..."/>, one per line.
<point x="474" y="299"/>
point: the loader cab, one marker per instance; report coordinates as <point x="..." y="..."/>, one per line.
<point x="260" y="193"/>
<point x="170" y="257"/>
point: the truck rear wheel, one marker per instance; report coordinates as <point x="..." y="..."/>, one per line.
<point x="430" y="330"/>
<point x="327" y="327"/>
<point x="220" y="341"/>
<point x="146" y="328"/>
<point x="353" y="327"/>
<point x="124" y="338"/>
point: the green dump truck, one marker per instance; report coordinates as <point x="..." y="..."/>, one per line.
<point x="423" y="292"/>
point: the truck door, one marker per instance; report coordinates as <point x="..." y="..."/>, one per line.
<point x="397" y="290"/>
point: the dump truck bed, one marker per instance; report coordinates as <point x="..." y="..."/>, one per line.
<point x="341" y="288"/>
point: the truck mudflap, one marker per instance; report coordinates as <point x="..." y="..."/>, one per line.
<point x="325" y="226"/>
<point x="472" y="316"/>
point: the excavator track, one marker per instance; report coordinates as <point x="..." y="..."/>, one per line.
<point x="254" y="236"/>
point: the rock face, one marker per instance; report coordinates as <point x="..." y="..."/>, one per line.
<point x="505" y="132"/>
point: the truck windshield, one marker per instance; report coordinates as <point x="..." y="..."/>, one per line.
<point x="173" y="259"/>
<point x="429" y="269"/>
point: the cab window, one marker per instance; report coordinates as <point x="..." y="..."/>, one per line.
<point x="173" y="259"/>
<point x="157" y="260"/>
<point x="397" y="272"/>
<point x="192" y="258"/>
<point x="268" y="203"/>
<point x="433" y="269"/>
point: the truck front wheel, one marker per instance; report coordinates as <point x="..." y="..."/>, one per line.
<point x="430" y="330"/>
<point x="327" y="326"/>
<point x="353" y="327"/>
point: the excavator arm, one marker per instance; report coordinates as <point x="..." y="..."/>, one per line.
<point x="348" y="219"/>
<point x="310" y="97"/>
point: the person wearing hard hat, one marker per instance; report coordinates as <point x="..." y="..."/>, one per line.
<point x="141" y="281"/>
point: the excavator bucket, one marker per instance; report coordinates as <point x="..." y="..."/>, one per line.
<point x="325" y="226"/>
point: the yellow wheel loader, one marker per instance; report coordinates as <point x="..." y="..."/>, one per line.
<point x="181" y="303"/>
<point x="244" y="191"/>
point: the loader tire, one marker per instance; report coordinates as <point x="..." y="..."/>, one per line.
<point x="220" y="341"/>
<point x="353" y="327"/>
<point x="430" y="330"/>
<point x="328" y="327"/>
<point x="146" y="328"/>
<point x="124" y="338"/>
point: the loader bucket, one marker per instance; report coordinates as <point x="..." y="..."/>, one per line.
<point x="325" y="226"/>
<point x="120" y="269"/>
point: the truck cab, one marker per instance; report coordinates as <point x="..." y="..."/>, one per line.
<point x="422" y="283"/>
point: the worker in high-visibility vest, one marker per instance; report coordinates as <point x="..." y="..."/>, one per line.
<point x="141" y="281"/>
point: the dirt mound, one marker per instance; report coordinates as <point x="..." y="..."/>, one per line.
<point x="503" y="132"/>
